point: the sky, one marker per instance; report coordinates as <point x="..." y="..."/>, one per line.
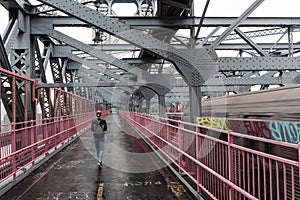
<point x="268" y="8"/>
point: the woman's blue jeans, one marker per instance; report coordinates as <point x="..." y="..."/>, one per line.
<point x="99" y="145"/>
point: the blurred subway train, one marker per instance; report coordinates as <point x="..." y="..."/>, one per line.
<point x="261" y="110"/>
<point x="282" y="103"/>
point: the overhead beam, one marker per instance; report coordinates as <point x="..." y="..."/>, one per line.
<point x="67" y="85"/>
<point x="225" y="46"/>
<point x="248" y="81"/>
<point x="231" y="63"/>
<point x="258" y="63"/>
<point x="178" y="22"/>
<point x="232" y="81"/>
<point x="178" y="91"/>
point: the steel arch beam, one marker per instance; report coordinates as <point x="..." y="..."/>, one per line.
<point x="115" y="27"/>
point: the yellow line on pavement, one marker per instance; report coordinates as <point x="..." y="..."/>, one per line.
<point x="100" y="191"/>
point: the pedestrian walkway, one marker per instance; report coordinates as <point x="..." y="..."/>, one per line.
<point x="130" y="171"/>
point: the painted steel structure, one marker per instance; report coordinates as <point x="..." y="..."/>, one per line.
<point x="157" y="63"/>
<point x="30" y="25"/>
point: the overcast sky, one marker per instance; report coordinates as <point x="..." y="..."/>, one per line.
<point x="271" y="8"/>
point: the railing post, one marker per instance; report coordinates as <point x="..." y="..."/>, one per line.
<point x="14" y="141"/>
<point x="68" y="125"/>
<point x="198" y="159"/>
<point x="62" y="129"/>
<point x="230" y="164"/>
<point x="168" y="131"/>
<point x="32" y="142"/>
<point x="56" y="128"/>
<point x="46" y="134"/>
<point x="13" y="147"/>
<point x="180" y="138"/>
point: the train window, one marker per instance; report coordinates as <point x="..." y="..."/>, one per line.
<point x="258" y="116"/>
<point x="290" y="117"/>
<point x="222" y="115"/>
<point x="233" y="115"/>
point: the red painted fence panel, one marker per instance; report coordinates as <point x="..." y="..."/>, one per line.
<point x="217" y="162"/>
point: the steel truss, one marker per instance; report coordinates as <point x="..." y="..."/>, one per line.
<point x="34" y="24"/>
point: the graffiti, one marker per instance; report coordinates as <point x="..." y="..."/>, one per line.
<point x="257" y="128"/>
<point x="236" y="125"/>
<point x="70" y="164"/>
<point x="142" y="183"/>
<point x="219" y="123"/>
<point x="176" y="188"/>
<point x="280" y="131"/>
<point x="285" y="131"/>
<point x="69" y="195"/>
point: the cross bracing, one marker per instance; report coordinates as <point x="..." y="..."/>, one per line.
<point x="243" y="44"/>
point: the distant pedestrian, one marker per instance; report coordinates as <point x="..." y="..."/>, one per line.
<point x="98" y="128"/>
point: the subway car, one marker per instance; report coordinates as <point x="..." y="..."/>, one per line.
<point x="282" y="103"/>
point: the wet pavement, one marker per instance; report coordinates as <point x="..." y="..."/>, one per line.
<point x="130" y="171"/>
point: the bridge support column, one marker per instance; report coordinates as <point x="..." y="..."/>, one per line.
<point x="148" y="106"/>
<point x="140" y="104"/>
<point x="162" y="105"/>
<point x="195" y="103"/>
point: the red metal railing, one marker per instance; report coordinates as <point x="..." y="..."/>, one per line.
<point x="23" y="143"/>
<point x="218" y="164"/>
<point x="36" y="140"/>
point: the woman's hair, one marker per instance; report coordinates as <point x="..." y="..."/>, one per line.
<point x="98" y="113"/>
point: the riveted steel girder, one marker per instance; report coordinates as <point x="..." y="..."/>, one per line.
<point x="259" y="63"/>
<point x="82" y="84"/>
<point x="206" y="89"/>
<point x="248" y="81"/>
<point x="177" y="22"/>
<point x="228" y="63"/>
<point x="44" y="29"/>
<point x="188" y="69"/>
